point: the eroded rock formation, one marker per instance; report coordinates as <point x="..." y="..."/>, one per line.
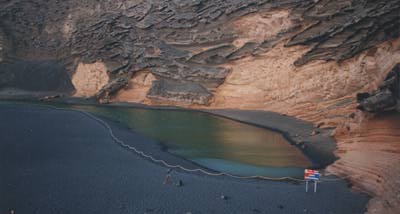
<point x="184" y="44"/>
<point x="369" y="156"/>
<point x="3" y="46"/>
<point x="386" y="97"/>
<point x="89" y="79"/>
<point x="137" y="88"/>
<point x="369" y="145"/>
<point x="304" y="58"/>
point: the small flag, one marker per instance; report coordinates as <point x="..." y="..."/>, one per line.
<point x="311" y="175"/>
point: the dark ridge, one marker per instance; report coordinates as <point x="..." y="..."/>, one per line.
<point x="386" y="97"/>
<point x="43" y="76"/>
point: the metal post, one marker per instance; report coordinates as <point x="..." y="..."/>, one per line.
<point x="306" y="186"/>
<point x="315" y="186"/>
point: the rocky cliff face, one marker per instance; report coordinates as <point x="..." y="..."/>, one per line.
<point x="3" y="46"/>
<point x="307" y="59"/>
<point x="369" y="157"/>
<point x="185" y="44"/>
<point x="386" y="97"/>
<point x="369" y="146"/>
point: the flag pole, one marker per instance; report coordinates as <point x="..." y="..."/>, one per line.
<point x="306" y="186"/>
<point x="315" y="186"/>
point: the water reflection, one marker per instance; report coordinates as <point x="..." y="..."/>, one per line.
<point x="214" y="142"/>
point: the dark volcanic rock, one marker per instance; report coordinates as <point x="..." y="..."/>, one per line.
<point x="4" y="46"/>
<point x="343" y="29"/>
<point x="49" y="76"/>
<point x="133" y="35"/>
<point x="183" y="92"/>
<point x="112" y="87"/>
<point x="386" y="97"/>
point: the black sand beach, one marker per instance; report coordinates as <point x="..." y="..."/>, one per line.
<point x="60" y="161"/>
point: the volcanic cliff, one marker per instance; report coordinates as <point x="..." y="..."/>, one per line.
<point x="329" y="62"/>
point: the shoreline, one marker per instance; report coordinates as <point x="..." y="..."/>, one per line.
<point x="200" y="193"/>
<point x="176" y="160"/>
<point x="319" y="148"/>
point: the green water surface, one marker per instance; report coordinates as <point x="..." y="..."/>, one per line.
<point x="213" y="142"/>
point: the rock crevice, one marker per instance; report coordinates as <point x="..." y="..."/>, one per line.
<point x="188" y="42"/>
<point x="386" y="97"/>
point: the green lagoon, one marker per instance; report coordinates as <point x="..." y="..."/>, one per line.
<point x="211" y="141"/>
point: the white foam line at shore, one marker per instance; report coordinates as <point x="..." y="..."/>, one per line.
<point x="164" y="163"/>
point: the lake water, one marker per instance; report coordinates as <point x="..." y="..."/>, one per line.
<point x="213" y="142"/>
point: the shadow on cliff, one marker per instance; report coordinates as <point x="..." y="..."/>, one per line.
<point x="35" y="76"/>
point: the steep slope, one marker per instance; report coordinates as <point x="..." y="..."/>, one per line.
<point x="184" y="43"/>
<point x="308" y="59"/>
<point x="370" y="151"/>
<point x="369" y="156"/>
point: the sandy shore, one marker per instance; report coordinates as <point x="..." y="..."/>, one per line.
<point x="59" y="161"/>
